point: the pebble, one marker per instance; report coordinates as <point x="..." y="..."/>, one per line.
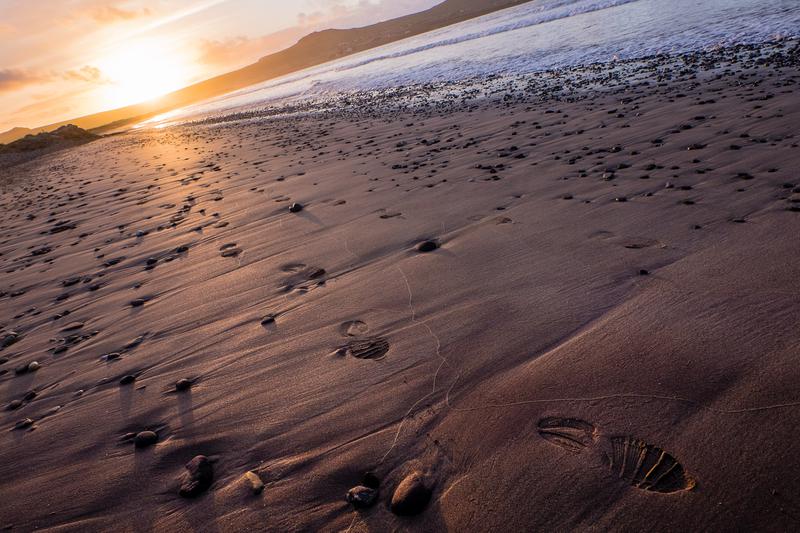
<point x="362" y="497"/>
<point x="9" y="338"/>
<point x="143" y="439"/>
<point x="127" y="380"/>
<point x="295" y="208"/>
<point x="411" y="496"/>
<point x="24" y="423"/>
<point x="183" y="385"/>
<point x="138" y="302"/>
<point x="15" y="404"/>
<point x="256" y="485"/>
<point x="197" y="478"/>
<point x="427" y="246"/>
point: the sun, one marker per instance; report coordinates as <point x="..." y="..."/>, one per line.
<point x="142" y="71"/>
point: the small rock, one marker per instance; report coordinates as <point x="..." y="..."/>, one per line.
<point x="14" y="404"/>
<point x="254" y="481"/>
<point x="143" y="439"/>
<point x="362" y="497"/>
<point x="8" y="339"/>
<point x="138" y="302"/>
<point x="127" y="380"/>
<point x="23" y="424"/>
<point x="411" y="496"/>
<point x="197" y="478"/>
<point x="427" y="246"/>
<point x="183" y="385"/>
<point x="295" y="208"/>
<point x="33" y="366"/>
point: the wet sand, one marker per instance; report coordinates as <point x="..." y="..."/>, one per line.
<point x="548" y="308"/>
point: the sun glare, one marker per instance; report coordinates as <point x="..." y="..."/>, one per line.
<point x="142" y="71"/>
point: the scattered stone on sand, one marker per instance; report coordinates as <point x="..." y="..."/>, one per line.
<point x="144" y="439"/>
<point x="23" y="424"/>
<point x="295" y="208"/>
<point x="138" y="302"/>
<point x="254" y="482"/>
<point x="127" y="380"/>
<point x="33" y="366"/>
<point x="427" y="246"/>
<point x="364" y="496"/>
<point x="267" y="320"/>
<point x="14" y="404"/>
<point x="183" y="385"/>
<point x="411" y="496"/>
<point x="197" y="478"/>
<point x="9" y="338"/>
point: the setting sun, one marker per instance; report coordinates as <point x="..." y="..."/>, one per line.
<point x="142" y="71"/>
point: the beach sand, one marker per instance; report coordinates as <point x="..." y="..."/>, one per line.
<point x="603" y="333"/>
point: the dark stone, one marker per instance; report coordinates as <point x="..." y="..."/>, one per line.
<point x="23" y="424"/>
<point x="295" y="208"/>
<point x="127" y="380"/>
<point x="143" y="439"/>
<point x="362" y="497"/>
<point x="427" y="246"/>
<point x="197" y="478"/>
<point x="14" y="404"/>
<point x="183" y="385"/>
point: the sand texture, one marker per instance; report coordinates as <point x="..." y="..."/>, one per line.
<point x="601" y="333"/>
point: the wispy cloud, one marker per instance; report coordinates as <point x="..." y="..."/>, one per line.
<point x="16" y="79"/>
<point x="12" y="79"/>
<point x="86" y="73"/>
<point x="107" y="14"/>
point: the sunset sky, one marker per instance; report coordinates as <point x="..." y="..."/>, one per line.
<point x="61" y="59"/>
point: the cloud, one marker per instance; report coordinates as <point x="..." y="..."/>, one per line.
<point x="12" y="79"/>
<point x="86" y="73"/>
<point x="109" y="14"/>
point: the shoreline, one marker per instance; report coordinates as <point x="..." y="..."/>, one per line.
<point x="602" y="77"/>
<point x="614" y="270"/>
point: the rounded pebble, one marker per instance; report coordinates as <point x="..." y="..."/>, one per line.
<point x="143" y="439"/>
<point x="427" y="246"/>
<point x="411" y="496"/>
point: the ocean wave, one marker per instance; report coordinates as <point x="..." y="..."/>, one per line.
<point x="538" y="14"/>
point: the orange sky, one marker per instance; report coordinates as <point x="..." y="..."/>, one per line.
<point x="61" y="59"/>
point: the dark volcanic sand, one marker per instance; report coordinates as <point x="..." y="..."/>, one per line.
<point x="602" y="332"/>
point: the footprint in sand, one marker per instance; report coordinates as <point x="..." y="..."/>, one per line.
<point x="374" y="348"/>
<point x="353" y="328"/>
<point x="641" y="465"/>
<point x="302" y="277"/>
